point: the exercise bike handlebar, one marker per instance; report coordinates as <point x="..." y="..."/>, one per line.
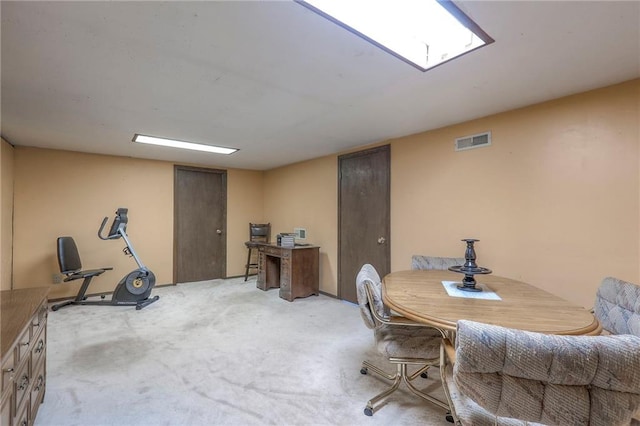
<point x="119" y="230"/>
<point x="118" y="227"/>
<point x="108" y="237"/>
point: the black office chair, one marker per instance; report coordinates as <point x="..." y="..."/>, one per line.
<point x="259" y="233"/>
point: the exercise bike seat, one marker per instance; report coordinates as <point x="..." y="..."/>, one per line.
<point x="69" y="261"/>
<point x="84" y="274"/>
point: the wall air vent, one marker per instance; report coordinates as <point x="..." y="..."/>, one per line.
<point x="473" y="141"/>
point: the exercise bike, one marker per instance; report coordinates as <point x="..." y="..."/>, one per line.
<point x="132" y="290"/>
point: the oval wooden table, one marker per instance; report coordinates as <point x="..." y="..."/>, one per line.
<point x="421" y="296"/>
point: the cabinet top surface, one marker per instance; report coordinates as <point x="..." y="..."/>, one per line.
<point x="16" y="309"/>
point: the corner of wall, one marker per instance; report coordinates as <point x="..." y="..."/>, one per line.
<point x="6" y="215"/>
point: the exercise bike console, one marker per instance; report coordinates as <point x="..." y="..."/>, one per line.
<point x="134" y="289"/>
<point x="119" y="221"/>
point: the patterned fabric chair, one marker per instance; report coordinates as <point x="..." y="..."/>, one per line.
<point x="401" y="340"/>
<point x="510" y="377"/>
<point x="432" y="262"/>
<point x="617" y="306"/>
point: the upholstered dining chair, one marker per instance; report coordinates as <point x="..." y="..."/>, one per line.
<point x="617" y="306"/>
<point x="434" y="262"/>
<point x="502" y="376"/>
<point x="402" y="341"/>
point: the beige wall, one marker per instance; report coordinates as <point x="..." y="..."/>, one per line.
<point x="554" y="199"/>
<point x="245" y="203"/>
<point x="305" y="195"/>
<point x="6" y="214"/>
<point x="64" y="193"/>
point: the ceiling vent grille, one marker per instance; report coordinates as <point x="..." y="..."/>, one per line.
<point x="473" y="141"/>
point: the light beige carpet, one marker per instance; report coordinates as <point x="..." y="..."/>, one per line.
<point x="219" y="352"/>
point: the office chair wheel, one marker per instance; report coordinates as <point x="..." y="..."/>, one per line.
<point x="368" y="412"/>
<point x="449" y="418"/>
<point x="424" y="375"/>
<point x="363" y="370"/>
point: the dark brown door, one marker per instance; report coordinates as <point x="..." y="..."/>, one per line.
<point x="364" y="216"/>
<point x="200" y="217"/>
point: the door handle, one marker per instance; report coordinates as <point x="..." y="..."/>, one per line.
<point x="381" y="240"/>
<point x="218" y="231"/>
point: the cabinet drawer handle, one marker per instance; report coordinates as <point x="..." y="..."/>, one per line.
<point x="25" y="344"/>
<point x="40" y="383"/>
<point x="36" y="324"/>
<point x="40" y="346"/>
<point x="24" y="383"/>
<point x="8" y="370"/>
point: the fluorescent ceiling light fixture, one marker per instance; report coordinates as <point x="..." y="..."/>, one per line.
<point x="152" y="140"/>
<point x="423" y="33"/>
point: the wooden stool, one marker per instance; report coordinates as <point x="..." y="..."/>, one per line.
<point x="259" y="233"/>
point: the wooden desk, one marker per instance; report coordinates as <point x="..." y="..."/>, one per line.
<point x="420" y="296"/>
<point x="294" y="269"/>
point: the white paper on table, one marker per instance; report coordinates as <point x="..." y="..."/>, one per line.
<point x="454" y="291"/>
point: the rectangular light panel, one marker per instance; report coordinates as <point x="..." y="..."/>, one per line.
<point x="152" y="140"/>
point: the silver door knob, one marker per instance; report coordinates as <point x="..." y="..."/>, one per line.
<point x="381" y="240"/>
<point x="218" y="231"/>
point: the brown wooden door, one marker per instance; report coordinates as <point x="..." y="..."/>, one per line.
<point x="200" y="217"/>
<point x="364" y="216"/>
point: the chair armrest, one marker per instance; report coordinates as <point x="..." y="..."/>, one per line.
<point x="449" y="350"/>
<point x="391" y="319"/>
<point x="399" y="320"/>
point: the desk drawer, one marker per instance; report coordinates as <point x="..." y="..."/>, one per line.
<point x="39" y="320"/>
<point x="21" y="383"/>
<point x="37" y="390"/>
<point x="39" y="349"/>
<point x="5" y="410"/>
<point x="9" y="366"/>
<point x="22" y="417"/>
<point x="22" y="347"/>
<point x="273" y="251"/>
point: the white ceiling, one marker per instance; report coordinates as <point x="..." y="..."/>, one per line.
<point x="277" y="81"/>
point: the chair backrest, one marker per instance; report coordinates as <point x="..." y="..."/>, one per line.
<point x="68" y="257"/>
<point x="260" y="232"/>
<point x="433" y="262"/>
<point x="617" y="306"/>
<point x="554" y="380"/>
<point x="368" y="277"/>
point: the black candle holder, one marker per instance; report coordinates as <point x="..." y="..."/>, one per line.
<point x="470" y="268"/>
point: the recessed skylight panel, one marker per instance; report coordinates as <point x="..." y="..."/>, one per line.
<point x="424" y="33"/>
